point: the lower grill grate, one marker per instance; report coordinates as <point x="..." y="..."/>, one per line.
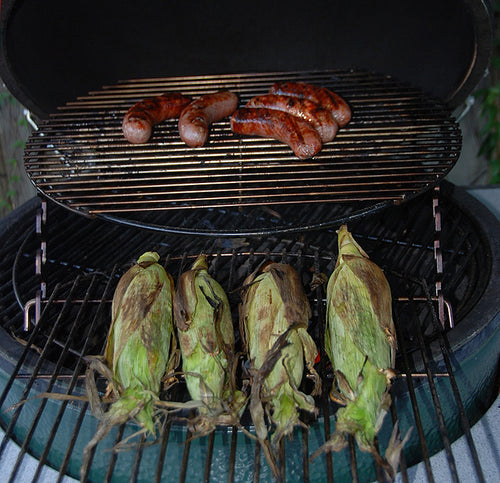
<point x="75" y="318"/>
<point x="399" y="143"/>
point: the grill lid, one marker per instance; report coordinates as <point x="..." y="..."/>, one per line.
<point x="53" y="51"/>
<point x="399" y="143"/>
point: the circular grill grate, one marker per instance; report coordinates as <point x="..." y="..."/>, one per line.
<point x="399" y="143"/>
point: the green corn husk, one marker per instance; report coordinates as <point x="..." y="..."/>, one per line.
<point x="140" y="349"/>
<point x="139" y="342"/>
<point x="274" y="315"/>
<point x="360" y="341"/>
<point x="206" y="336"/>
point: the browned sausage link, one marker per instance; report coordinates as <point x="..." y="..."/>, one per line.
<point x="321" y="119"/>
<point x="196" y="118"/>
<point x="297" y="133"/>
<point x="142" y="116"/>
<point x="320" y="95"/>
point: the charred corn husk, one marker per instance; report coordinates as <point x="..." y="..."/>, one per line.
<point x="139" y="348"/>
<point x="360" y="341"/>
<point x="274" y="315"/>
<point x="139" y="342"/>
<point x="206" y="336"/>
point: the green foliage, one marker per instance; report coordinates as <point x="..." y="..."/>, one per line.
<point x="4" y="97"/>
<point x="7" y="198"/>
<point x="490" y="111"/>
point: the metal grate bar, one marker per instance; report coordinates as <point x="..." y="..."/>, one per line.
<point x="29" y="386"/>
<point x="208" y="460"/>
<point x="456" y="394"/>
<point x="161" y="460"/>
<point x="57" y="370"/>
<point x="72" y="383"/>
<point x="137" y="460"/>
<point x="20" y="362"/>
<point x="69" y="451"/>
<point x="402" y="336"/>
<point x="325" y="406"/>
<point x="352" y="457"/>
<point x="305" y="455"/>
<point x="185" y="457"/>
<point x="402" y="463"/>
<point x="437" y="404"/>
<point x="232" y="455"/>
<point x="112" y="460"/>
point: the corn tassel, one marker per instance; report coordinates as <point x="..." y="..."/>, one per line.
<point x="206" y="336"/>
<point x="360" y="341"/>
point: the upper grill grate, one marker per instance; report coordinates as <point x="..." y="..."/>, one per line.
<point x="399" y="143"/>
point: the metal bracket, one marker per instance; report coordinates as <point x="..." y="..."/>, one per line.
<point x="40" y="261"/>
<point x="438" y="256"/>
<point x="37" y="304"/>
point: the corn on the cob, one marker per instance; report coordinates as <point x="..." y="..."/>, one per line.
<point x="206" y="336"/>
<point x="138" y="348"/>
<point x="360" y="341"/>
<point x="274" y="316"/>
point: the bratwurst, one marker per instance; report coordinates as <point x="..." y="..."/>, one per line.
<point x="320" y="95"/>
<point x="321" y="119"/>
<point x="294" y="131"/>
<point x="196" y="118"/>
<point x="142" y="116"/>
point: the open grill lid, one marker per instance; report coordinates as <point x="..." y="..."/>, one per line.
<point x="91" y="62"/>
<point x="53" y="51"/>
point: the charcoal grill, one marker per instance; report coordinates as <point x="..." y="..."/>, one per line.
<point x="80" y="279"/>
<point x="383" y="174"/>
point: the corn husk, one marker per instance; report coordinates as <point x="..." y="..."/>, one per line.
<point x="206" y="337"/>
<point x="139" y="349"/>
<point x="274" y="315"/>
<point x="139" y="342"/>
<point x="360" y="341"/>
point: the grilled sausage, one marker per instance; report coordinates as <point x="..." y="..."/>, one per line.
<point x="196" y="118"/>
<point x="142" y="116"/>
<point x="320" y="95"/>
<point x="294" y="131"/>
<point x="321" y="119"/>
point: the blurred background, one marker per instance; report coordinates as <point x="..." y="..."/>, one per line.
<point x="15" y="187"/>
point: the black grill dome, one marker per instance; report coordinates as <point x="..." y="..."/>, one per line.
<point x="55" y="50"/>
